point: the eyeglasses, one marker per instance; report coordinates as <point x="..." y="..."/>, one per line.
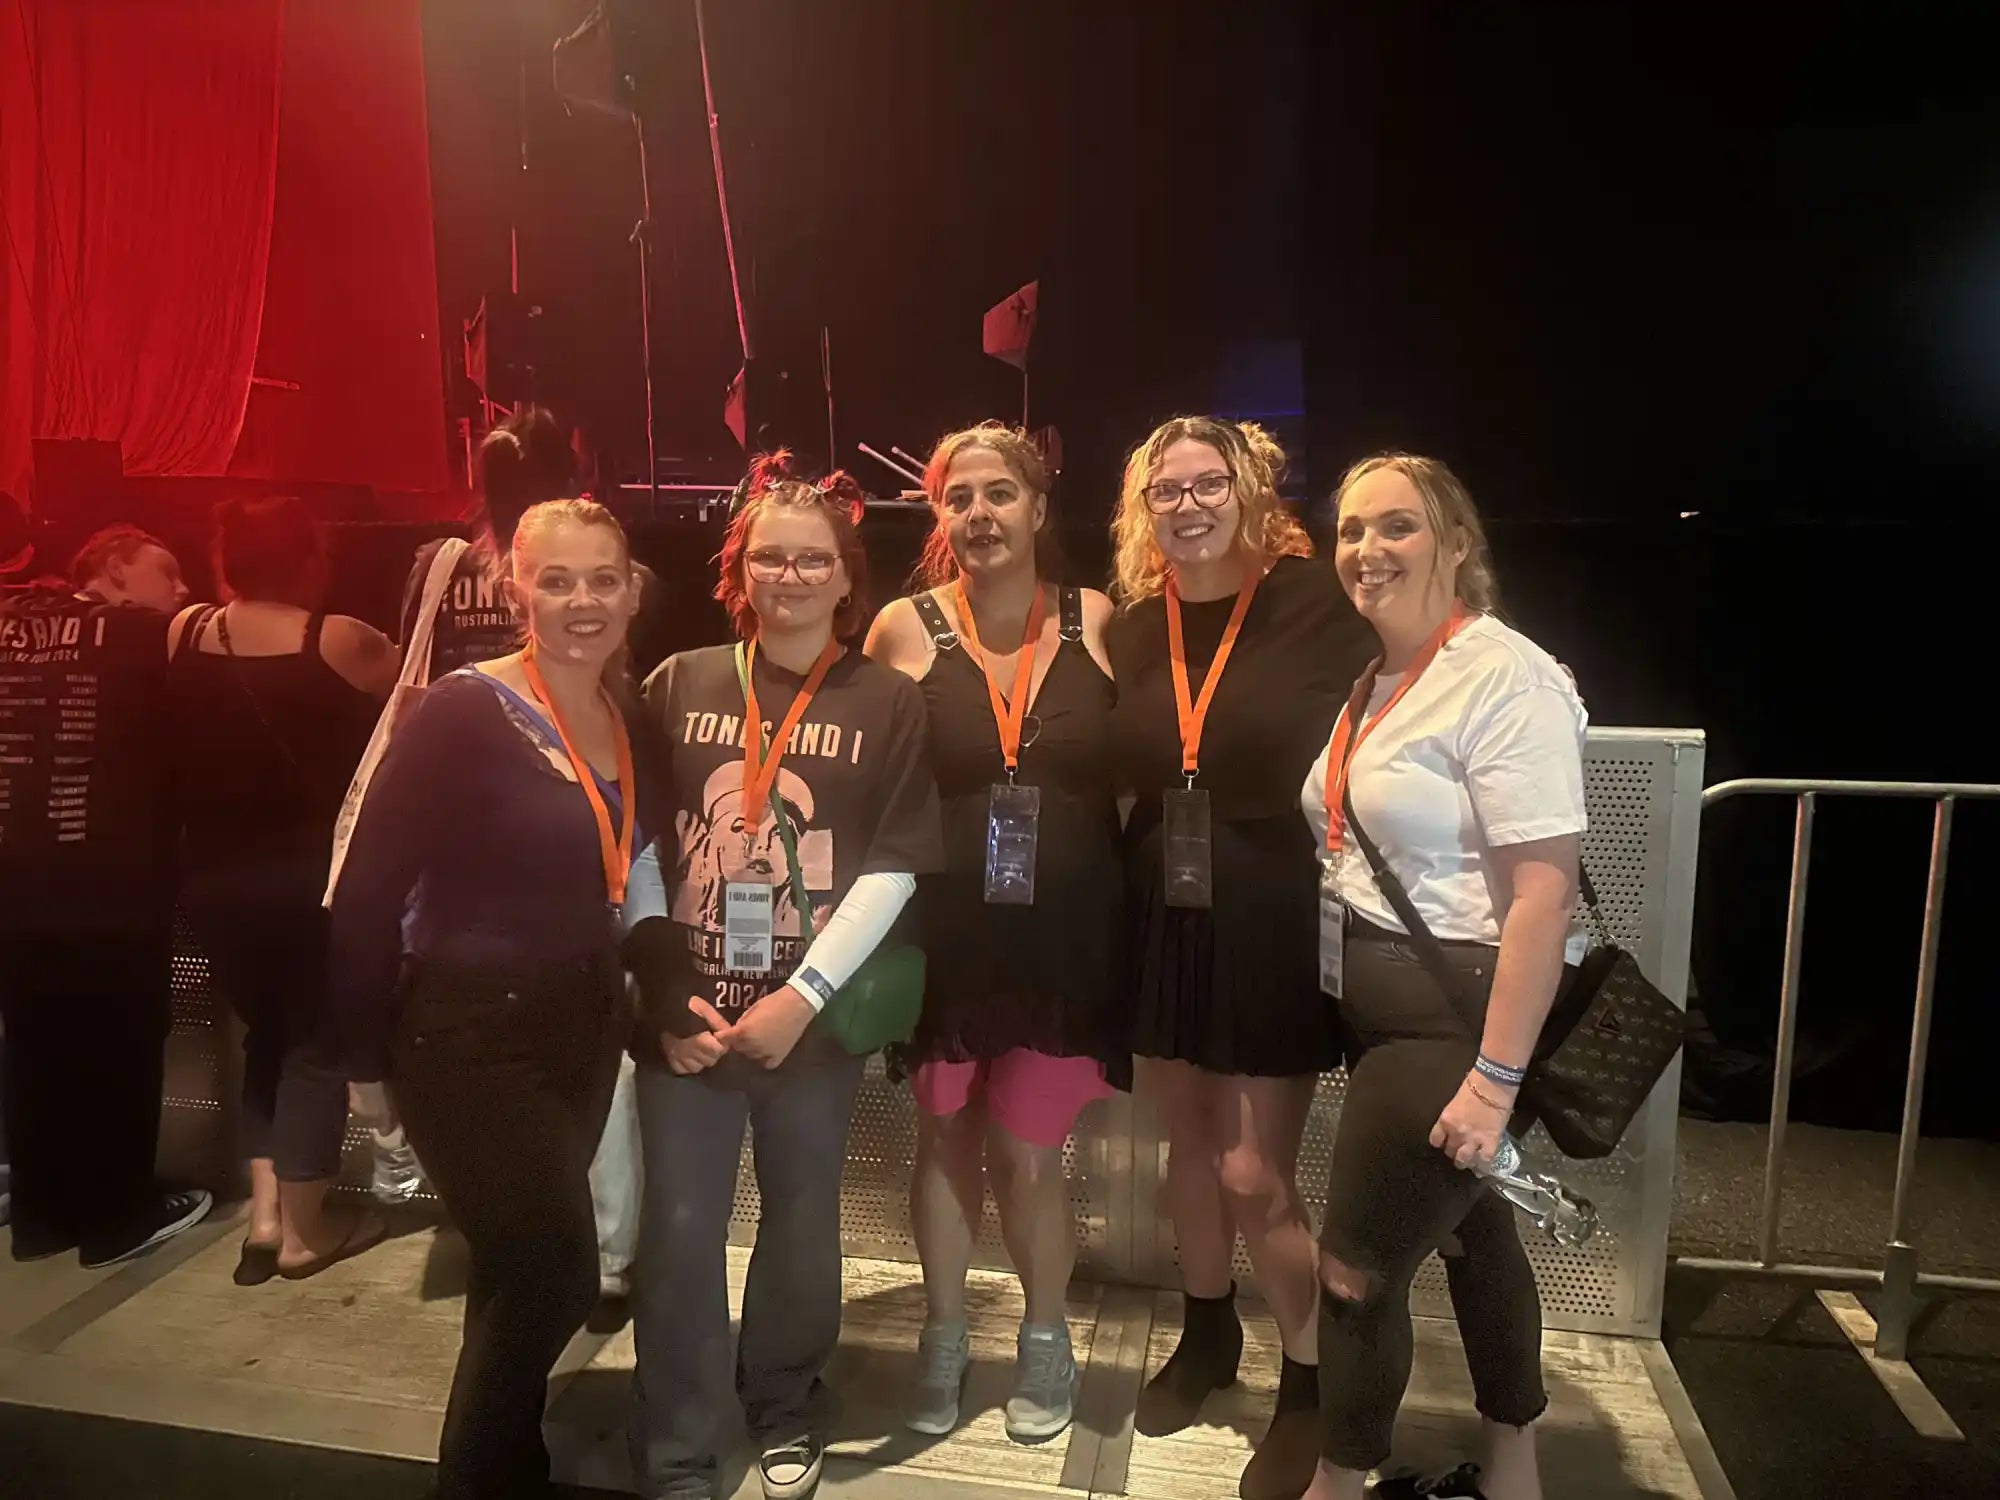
<point x="768" y="565"/>
<point x="1209" y="491"/>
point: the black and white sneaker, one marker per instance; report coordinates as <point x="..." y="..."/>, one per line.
<point x="1461" y="1483"/>
<point x="166" y="1218"/>
<point x="791" y="1470"/>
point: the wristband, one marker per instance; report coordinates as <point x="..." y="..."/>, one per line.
<point x="812" y="984"/>
<point x="1500" y="1073"/>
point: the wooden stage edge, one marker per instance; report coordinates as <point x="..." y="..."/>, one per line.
<point x="359" y="1358"/>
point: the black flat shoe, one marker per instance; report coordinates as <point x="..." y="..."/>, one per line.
<point x="255" y="1265"/>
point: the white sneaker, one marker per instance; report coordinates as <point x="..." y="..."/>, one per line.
<point x="1044" y="1399"/>
<point x="790" y="1471"/>
<point x="942" y="1355"/>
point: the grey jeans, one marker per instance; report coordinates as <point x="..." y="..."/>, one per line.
<point x="692" y="1134"/>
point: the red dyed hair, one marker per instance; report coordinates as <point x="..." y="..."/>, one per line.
<point x="837" y="497"/>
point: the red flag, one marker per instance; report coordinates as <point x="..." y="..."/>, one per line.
<point x="732" y="412"/>
<point x="1009" y="326"/>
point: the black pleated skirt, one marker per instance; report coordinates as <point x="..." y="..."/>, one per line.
<point x="1234" y="988"/>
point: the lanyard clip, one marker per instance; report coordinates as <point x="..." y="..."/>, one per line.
<point x="1010" y="776"/>
<point x="1190" y="779"/>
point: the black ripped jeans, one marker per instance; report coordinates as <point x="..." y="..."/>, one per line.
<point x="1393" y="1198"/>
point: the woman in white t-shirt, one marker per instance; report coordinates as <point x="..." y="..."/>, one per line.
<point x="1461" y="758"/>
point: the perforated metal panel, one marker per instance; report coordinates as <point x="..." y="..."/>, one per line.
<point x="875" y="1194"/>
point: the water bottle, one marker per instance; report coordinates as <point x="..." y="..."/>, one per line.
<point x="1569" y="1219"/>
<point x="397" y="1177"/>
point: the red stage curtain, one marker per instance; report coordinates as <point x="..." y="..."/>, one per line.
<point x="350" y="334"/>
<point x="138" y="155"/>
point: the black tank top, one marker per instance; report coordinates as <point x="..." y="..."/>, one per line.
<point x="1040" y="976"/>
<point x="264" y="747"/>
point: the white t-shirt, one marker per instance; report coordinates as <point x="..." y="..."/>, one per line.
<point x="1485" y="750"/>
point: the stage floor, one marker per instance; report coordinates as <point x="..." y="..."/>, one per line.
<point x="359" y="1358"/>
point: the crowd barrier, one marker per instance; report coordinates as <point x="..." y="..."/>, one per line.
<point x="1898" y="1276"/>
<point x="1644" y="788"/>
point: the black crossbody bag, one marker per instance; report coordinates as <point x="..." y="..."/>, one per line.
<point x="1609" y="1035"/>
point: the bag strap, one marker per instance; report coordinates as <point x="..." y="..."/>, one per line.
<point x="800" y="900"/>
<point x="1429" y="949"/>
<point x="942" y="635"/>
<point x="417" y="654"/>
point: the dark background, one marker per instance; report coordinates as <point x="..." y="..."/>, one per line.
<point x="1704" y="304"/>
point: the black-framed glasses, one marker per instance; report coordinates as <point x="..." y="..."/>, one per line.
<point x="769" y="565"/>
<point x="1209" y="491"/>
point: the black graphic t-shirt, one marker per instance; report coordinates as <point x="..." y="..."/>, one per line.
<point x="473" y="621"/>
<point x="855" y="780"/>
<point x="86" y="842"/>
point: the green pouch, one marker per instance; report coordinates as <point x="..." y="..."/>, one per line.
<point x="880" y="1005"/>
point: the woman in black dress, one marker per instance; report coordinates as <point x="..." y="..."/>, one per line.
<point x="271" y="701"/>
<point x="1017" y="1034"/>
<point x="1233" y="653"/>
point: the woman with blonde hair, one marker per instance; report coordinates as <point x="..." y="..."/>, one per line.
<point x="510" y="804"/>
<point x="1232" y="652"/>
<point x="1021" y="927"/>
<point x="1449" y="798"/>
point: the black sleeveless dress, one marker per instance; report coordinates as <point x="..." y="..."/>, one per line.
<point x="1235" y="989"/>
<point x="264" y="747"/>
<point x="1046" y="977"/>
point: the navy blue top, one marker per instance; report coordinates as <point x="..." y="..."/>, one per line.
<point x="472" y="826"/>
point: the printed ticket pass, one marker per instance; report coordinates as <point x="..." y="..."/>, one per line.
<point x="1332" y="930"/>
<point x="747" y="913"/>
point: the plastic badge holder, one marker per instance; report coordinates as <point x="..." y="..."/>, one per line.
<point x="1013" y="829"/>
<point x="1189" y="853"/>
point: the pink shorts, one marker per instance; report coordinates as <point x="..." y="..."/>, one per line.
<point x="1030" y="1095"/>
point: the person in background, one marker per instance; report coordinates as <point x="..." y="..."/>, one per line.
<point x="270" y="701"/>
<point x="124" y="565"/>
<point x="1021" y="1022"/>
<point x="727" y="1038"/>
<point x="1460" y="757"/>
<point x="511" y="803"/>
<point x="86" y="905"/>
<point x="1232" y="653"/>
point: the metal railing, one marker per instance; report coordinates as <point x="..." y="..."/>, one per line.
<point x="1899" y="1277"/>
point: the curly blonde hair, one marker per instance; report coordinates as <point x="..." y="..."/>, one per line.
<point x="1452" y="515"/>
<point x="1265" y="529"/>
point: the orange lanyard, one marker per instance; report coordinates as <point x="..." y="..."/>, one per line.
<point x="1007" y="717"/>
<point x="760" y="773"/>
<point x="1194" y="712"/>
<point x="1341" y="750"/>
<point x="617" y="852"/>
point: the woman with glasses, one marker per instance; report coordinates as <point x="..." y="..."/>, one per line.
<point x="731" y="984"/>
<point x="1232" y="653"/>
<point x="1017" y="1028"/>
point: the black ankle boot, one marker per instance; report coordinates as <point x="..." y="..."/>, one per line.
<point x="1282" y="1467"/>
<point x="1204" y="1362"/>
